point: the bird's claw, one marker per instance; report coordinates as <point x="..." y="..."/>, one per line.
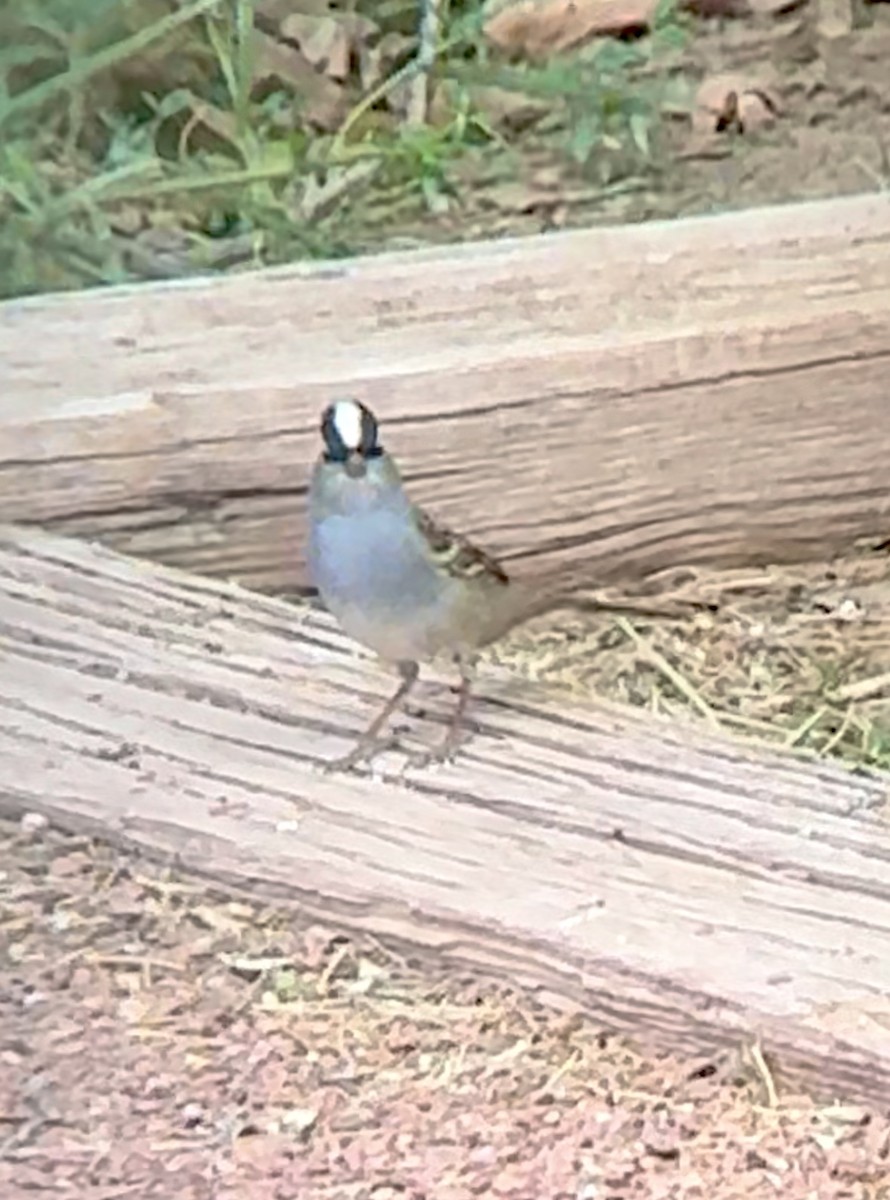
<point x="363" y="752"/>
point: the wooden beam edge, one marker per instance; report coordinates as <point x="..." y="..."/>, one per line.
<point x="863" y="217"/>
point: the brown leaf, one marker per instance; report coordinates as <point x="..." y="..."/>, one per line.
<point x="324" y="41"/>
<point x="774" y="8"/>
<point x="377" y="60"/>
<point x="718" y="8"/>
<point x="731" y="101"/>
<point x="329" y="41"/>
<point x="537" y="28"/>
<point x="324" y="102"/>
<point x="508" y="109"/>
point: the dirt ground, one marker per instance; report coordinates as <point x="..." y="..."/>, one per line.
<point x="160" y="1041"/>
<point x="785" y="114"/>
<point x="827" y="133"/>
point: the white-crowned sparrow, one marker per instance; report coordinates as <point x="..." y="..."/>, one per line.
<point x="397" y="581"/>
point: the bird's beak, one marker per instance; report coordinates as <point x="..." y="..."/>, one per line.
<point x="356" y="466"/>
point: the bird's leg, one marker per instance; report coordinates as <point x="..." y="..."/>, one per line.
<point x="454" y="736"/>
<point x="369" y="744"/>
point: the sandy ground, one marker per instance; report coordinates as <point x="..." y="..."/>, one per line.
<point x="160" y="1041"/>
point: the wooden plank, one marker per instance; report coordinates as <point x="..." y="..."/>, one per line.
<point x="604" y="402"/>
<point x="695" y="890"/>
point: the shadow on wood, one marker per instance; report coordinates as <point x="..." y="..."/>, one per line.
<point x="692" y="889"/>
<point x="606" y="402"/>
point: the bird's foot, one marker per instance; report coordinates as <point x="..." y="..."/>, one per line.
<point x="445" y="752"/>
<point x="362" y="753"/>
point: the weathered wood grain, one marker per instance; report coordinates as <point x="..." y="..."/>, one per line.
<point x="604" y="402"/>
<point x="691" y="889"/>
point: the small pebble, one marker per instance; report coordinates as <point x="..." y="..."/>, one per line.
<point x="33" y="823"/>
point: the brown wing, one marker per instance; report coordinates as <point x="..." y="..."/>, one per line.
<point x="458" y="554"/>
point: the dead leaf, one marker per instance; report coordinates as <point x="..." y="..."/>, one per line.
<point x="206" y="118"/>
<point x="323" y="102"/>
<point x="774" y="8"/>
<point x="708" y="9"/>
<point x="731" y="102"/>
<point x="538" y="28"/>
<point x="323" y="40"/>
<point x="378" y="60"/>
<point x="506" y="109"/>
<point x="329" y="41"/>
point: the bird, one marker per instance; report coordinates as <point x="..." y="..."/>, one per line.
<point x="399" y="582"/>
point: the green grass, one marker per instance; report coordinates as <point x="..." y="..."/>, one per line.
<point x="140" y="138"/>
